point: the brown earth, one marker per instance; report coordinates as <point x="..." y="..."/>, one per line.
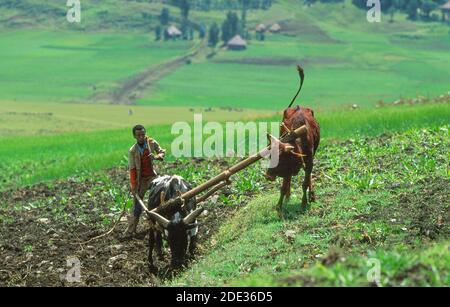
<point x="44" y="225"/>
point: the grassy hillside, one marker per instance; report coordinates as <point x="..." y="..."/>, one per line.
<point x="27" y="160"/>
<point x="382" y="198"/>
<point x="347" y="60"/>
<point x="136" y="16"/>
<point x="31" y="118"/>
<point x="67" y="66"/>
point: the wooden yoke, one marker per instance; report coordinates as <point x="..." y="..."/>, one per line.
<point x="176" y="203"/>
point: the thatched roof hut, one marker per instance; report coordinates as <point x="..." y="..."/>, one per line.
<point x="173" y="31"/>
<point x="445" y="8"/>
<point x="237" y="43"/>
<point x="275" y="28"/>
<point x="260" y="28"/>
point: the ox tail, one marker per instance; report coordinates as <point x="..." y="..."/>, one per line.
<point x="302" y="78"/>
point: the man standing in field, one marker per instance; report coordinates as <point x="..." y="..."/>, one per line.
<point x="140" y="161"/>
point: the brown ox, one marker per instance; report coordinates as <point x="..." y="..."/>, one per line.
<point x="298" y="153"/>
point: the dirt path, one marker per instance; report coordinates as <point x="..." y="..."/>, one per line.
<point x="133" y="88"/>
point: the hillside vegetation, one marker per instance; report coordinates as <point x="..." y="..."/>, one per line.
<point x="384" y="198"/>
<point x="26" y="160"/>
<point x="347" y="59"/>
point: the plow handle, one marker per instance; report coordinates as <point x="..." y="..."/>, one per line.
<point x="225" y="175"/>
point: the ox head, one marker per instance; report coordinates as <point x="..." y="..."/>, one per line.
<point x="287" y="154"/>
<point x="178" y="229"/>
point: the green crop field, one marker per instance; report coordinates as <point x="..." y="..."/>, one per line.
<point x="31" y="118"/>
<point x="26" y="160"/>
<point x="70" y="94"/>
<point x="64" y="66"/>
<point x="360" y="63"/>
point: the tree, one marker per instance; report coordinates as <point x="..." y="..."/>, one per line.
<point x="185" y="29"/>
<point x="411" y="9"/>
<point x="164" y="18"/>
<point x="427" y="7"/>
<point x="166" y="35"/>
<point x="213" y="35"/>
<point x="244" y="5"/>
<point x="396" y="5"/>
<point x="184" y="8"/>
<point x="202" y="31"/>
<point x="266" y="4"/>
<point x="158" y="33"/>
<point x="226" y="31"/>
<point x="230" y="26"/>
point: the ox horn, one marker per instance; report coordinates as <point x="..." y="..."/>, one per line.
<point x="159" y="218"/>
<point x="299" y="155"/>
<point x="289" y="148"/>
<point x="192" y="216"/>
<point x="272" y="139"/>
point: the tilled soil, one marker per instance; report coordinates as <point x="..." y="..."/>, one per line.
<point x="44" y="229"/>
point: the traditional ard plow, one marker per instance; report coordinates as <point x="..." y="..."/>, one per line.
<point x="220" y="180"/>
<point x="181" y="230"/>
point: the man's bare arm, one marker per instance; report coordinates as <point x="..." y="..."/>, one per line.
<point x="161" y="153"/>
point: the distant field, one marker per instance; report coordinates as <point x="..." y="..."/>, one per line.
<point x="26" y="160"/>
<point x="61" y="66"/>
<point x="31" y="118"/>
<point x="346" y="59"/>
<point x="115" y="15"/>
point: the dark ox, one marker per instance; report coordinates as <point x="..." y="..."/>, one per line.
<point x="178" y="227"/>
<point x="298" y="153"/>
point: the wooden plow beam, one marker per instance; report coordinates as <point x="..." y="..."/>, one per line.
<point x="222" y="179"/>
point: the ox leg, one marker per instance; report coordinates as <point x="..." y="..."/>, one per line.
<point x="287" y="194"/>
<point x="312" y="194"/>
<point x="285" y="191"/>
<point x="158" y="241"/>
<point x="151" y="244"/>
<point x="306" y="183"/>
<point x="192" y="245"/>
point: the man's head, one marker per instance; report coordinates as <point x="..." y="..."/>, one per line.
<point x="139" y="134"/>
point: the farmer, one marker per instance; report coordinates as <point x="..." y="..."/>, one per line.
<point x="140" y="161"/>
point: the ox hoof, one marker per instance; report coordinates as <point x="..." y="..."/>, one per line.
<point x="303" y="207"/>
<point x="152" y="269"/>
<point x="126" y="237"/>
<point x="280" y="213"/>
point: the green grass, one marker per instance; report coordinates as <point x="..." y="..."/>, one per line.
<point x="65" y="66"/>
<point x="29" y="159"/>
<point x="347" y="60"/>
<point x="343" y="124"/>
<point x="329" y="244"/>
<point x="400" y="267"/>
<point x="31" y="118"/>
<point x="110" y="15"/>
